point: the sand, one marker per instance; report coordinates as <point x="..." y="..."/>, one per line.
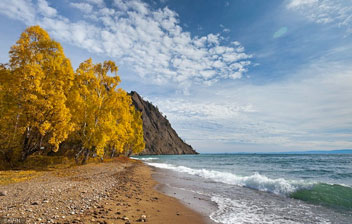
<point x="122" y="191"/>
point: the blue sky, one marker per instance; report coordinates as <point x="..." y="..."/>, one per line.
<point x="231" y="76"/>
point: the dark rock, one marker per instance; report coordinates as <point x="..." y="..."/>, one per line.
<point x="159" y="136"/>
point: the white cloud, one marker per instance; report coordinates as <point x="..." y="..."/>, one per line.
<point x="150" y="42"/>
<point x="84" y="7"/>
<point x="20" y="10"/>
<point x="325" y="11"/>
<point x="45" y="9"/>
<point x="185" y="109"/>
<point x="97" y="2"/>
<point x="301" y="3"/>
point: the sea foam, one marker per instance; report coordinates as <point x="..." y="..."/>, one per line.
<point x="232" y="211"/>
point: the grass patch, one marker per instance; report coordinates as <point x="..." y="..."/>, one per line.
<point x="34" y="166"/>
<point x="15" y="176"/>
<point x="38" y="165"/>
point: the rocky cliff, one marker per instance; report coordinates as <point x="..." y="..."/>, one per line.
<point x="160" y="138"/>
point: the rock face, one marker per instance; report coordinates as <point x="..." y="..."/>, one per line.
<point x="160" y="138"/>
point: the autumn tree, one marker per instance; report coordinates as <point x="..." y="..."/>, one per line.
<point x="42" y="78"/>
<point x="104" y="114"/>
<point x="123" y="125"/>
<point x="92" y="111"/>
<point x="135" y="143"/>
<point x="9" y="117"/>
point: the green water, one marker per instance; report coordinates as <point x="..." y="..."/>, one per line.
<point x="334" y="195"/>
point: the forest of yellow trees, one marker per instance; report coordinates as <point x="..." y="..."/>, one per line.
<point x="47" y="107"/>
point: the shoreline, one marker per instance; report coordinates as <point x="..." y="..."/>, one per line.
<point x="112" y="192"/>
<point x="194" y="200"/>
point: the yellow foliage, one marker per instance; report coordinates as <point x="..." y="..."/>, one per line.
<point x="44" y="103"/>
<point x="104" y="114"/>
<point x="39" y="79"/>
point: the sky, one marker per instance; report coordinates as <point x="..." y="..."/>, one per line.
<point x="231" y="76"/>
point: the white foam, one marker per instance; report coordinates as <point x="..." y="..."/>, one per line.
<point x="233" y="211"/>
<point x="240" y="212"/>
<point x="257" y="181"/>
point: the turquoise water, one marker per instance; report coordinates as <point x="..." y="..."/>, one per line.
<point x="267" y="188"/>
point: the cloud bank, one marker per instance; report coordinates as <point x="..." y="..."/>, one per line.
<point x="312" y="110"/>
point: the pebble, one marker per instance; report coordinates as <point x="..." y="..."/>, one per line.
<point x="3" y="193"/>
<point x="143" y="218"/>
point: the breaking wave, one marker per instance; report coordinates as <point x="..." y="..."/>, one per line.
<point x="279" y="186"/>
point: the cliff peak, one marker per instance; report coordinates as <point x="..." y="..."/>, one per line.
<point x="160" y="138"/>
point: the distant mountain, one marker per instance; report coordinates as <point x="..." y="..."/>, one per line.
<point x="160" y="138"/>
<point x="340" y="151"/>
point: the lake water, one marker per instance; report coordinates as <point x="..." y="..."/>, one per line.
<point x="264" y="188"/>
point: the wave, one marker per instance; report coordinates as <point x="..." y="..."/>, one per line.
<point x="331" y="195"/>
<point x="256" y="181"/>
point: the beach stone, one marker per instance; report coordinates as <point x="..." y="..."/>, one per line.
<point x="3" y="193"/>
<point x="143" y="218"/>
<point x="34" y="203"/>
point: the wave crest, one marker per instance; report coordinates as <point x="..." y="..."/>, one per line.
<point x="256" y="181"/>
